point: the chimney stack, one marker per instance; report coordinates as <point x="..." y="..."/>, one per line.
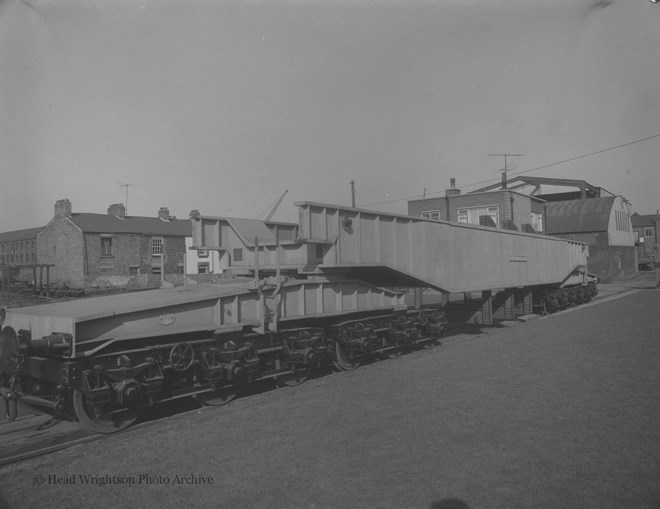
<point x="63" y="208"/>
<point x="452" y="191"/>
<point x="164" y="213"/>
<point x="117" y="210"/>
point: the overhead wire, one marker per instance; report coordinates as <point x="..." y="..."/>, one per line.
<point x="525" y="171"/>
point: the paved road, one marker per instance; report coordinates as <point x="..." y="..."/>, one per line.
<point x="558" y="412"/>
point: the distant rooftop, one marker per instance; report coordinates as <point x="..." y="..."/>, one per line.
<point x="643" y="220"/>
<point x="105" y="223"/>
<point x="26" y="234"/>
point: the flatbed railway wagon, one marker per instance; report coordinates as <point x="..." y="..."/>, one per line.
<point x="330" y="288"/>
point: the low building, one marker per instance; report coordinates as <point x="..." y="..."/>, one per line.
<point x="91" y="249"/>
<point x="203" y="261"/>
<point x="644" y="229"/>
<point x="501" y="209"/>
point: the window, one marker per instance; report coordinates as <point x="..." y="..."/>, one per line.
<point x="180" y="268"/>
<point x="134" y="270"/>
<point x="202" y="253"/>
<point x="155" y="269"/>
<point x="622" y="221"/>
<point x="157" y="247"/>
<point x="319" y="251"/>
<point x="203" y="268"/>
<point x="537" y="221"/>
<point x="106" y="246"/>
<point x="430" y="214"/>
<point x="471" y="215"/>
<point x="238" y="254"/>
<point x="648" y="232"/>
<point x="32" y="257"/>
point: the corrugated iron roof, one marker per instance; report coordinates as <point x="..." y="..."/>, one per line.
<point x="579" y="216"/>
<point x="106" y="223"/>
<point x="26" y="234"/>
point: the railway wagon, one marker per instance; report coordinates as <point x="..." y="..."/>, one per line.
<point x="330" y="288"/>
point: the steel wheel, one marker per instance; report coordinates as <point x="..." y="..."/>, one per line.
<point x="394" y="353"/>
<point x="342" y="360"/>
<point x="427" y="345"/>
<point x="220" y="397"/>
<point x="295" y="376"/>
<point x="104" y="420"/>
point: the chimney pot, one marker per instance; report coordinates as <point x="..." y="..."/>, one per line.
<point x="117" y="209"/>
<point x="164" y="213"/>
<point x="452" y="191"/>
<point x="63" y="208"/>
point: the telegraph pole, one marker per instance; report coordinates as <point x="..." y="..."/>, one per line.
<point x="656" y="258"/>
<point x="352" y="182"/>
<point x="505" y="165"/>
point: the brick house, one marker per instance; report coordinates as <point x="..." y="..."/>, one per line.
<point x="501" y="209"/>
<point x="87" y="247"/>
<point x="644" y="229"/>
<point x="18" y="248"/>
<point x="18" y="252"/>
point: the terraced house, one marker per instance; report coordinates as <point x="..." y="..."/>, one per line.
<point x="87" y="248"/>
<point x="18" y="248"/>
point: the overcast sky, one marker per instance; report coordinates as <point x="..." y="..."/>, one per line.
<point x="221" y="106"/>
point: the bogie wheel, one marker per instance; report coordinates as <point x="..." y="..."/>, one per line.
<point x="296" y="375"/>
<point x="393" y="352"/>
<point x="220" y="397"/>
<point x="100" y="420"/>
<point x="344" y="361"/>
<point x="432" y="342"/>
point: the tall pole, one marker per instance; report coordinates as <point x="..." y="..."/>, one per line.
<point x="506" y="168"/>
<point x="657" y="249"/>
<point x="126" y="202"/>
<point x="352" y="193"/>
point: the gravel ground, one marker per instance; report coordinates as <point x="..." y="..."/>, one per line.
<point x="558" y="412"/>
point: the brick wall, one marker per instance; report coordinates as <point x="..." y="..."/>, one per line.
<point x="607" y="262"/>
<point x="416" y="207"/>
<point x="61" y="243"/>
<point x="125" y="254"/>
<point x="174" y="249"/>
<point x="522" y="206"/>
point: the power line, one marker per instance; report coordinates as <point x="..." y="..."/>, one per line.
<point x="504" y="172"/>
<point x="526" y="171"/>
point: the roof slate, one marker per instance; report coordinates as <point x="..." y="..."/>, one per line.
<point x="26" y="234"/>
<point x="579" y="216"/>
<point x="643" y="220"/>
<point x="106" y="223"/>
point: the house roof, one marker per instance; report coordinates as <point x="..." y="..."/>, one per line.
<point x="26" y="234"/>
<point x="106" y="223"/>
<point x="643" y="220"/>
<point x="579" y="216"/>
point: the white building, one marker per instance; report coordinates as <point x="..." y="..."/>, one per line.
<point x="203" y="261"/>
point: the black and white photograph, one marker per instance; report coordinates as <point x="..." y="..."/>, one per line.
<point x="330" y="254"/>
